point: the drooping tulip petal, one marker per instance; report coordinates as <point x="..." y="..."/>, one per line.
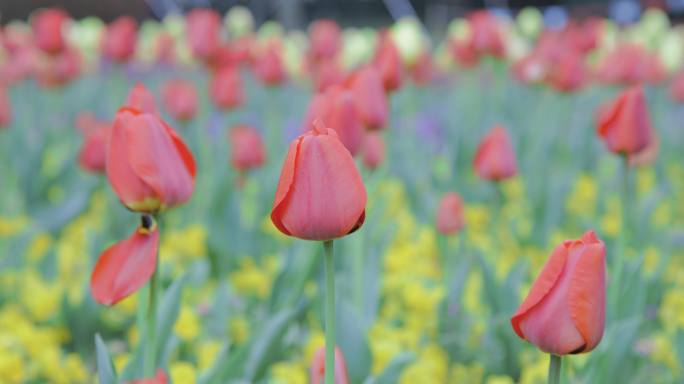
<point x="320" y="195"/>
<point x="495" y="156"/>
<point x="126" y="266"/>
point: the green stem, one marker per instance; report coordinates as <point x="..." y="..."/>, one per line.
<point x="150" y="358"/>
<point x="554" y="369"/>
<point x="623" y="237"/>
<point x="329" y="312"/>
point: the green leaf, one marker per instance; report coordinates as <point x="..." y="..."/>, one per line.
<point x="167" y="313"/>
<point x="351" y="339"/>
<point x="105" y="369"/>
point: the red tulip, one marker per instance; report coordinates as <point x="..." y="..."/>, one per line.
<point x="92" y="156"/>
<point x="624" y="124"/>
<point x="246" y="148"/>
<point x="119" y="39"/>
<point x="180" y="99"/>
<point x="388" y="63"/>
<point x="450" y="214"/>
<point x="59" y="69"/>
<point x="5" y="108"/>
<point x="564" y="312"/>
<point x="318" y="367"/>
<point x="630" y="64"/>
<point x="225" y="88"/>
<point x="48" y="30"/>
<point x="320" y="194"/>
<point x="677" y="88"/>
<point x="325" y="74"/>
<point x="373" y="150"/>
<point x="336" y="109"/>
<point x="160" y="378"/>
<point x="268" y="65"/>
<point x="567" y="73"/>
<point x="495" y="156"/>
<point x="165" y="48"/>
<point x="142" y="99"/>
<point x="422" y="71"/>
<point x="202" y="29"/>
<point x="126" y="266"/>
<point x="325" y="40"/>
<point x="148" y="164"/>
<point x="370" y="97"/>
<point x="486" y="35"/>
<point x="243" y="49"/>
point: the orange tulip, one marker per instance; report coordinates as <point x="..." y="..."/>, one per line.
<point x="336" y="109"/>
<point x="119" y="39"/>
<point x="495" y="156"/>
<point x="225" y="89"/>
<point x="48" y="30"/>
<point x="318" y="367"/>
<point x="148" y="165"/>
<point x="142" y="99"/>
<point x="246" y="148"/>
<point x="450" y="214"/>
<point x="320" y="193"/>
<point x="126" y="266"/>
<point x="373" y="150"/>
<point x="202" y="30"/>
<point x="180" y="99"/>
<point x="160" y="378"/>
<point x="92" y="156"/>
<point x="564" y="312"/>
<point x="5" y="108"/>
<point x="369" y="95"/>
<point x="625" y="124"/>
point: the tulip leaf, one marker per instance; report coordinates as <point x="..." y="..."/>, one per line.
<point x="105" y="369"/>
<point x="167" y="313"/>
<point x="351" y="339"/>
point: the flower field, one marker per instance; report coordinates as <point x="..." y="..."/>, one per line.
<point x="195" y="200"/>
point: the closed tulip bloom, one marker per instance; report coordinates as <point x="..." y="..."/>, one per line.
<point x="388" y="63"/>
<point x="48" y="30"/>
<point x="202" y="27"/>
<point x="369" y="95"/>
<point x="564" y="312"/>
<point x="336" y="109"/>
<point x="320" y="194"/>
<point x="495" y="156"/>
<point x="126" y="266"/>
<point x="226" y="89"/>
<point x="246" y="148"/>
<point x="318" y="367"/>
<point x="141" y="99"/>
<point x="450" y="214"/>
<point x="373" y="150"/>
<point x="268" y="66"/>
<point x="325" y="40"/>
<point x="148" y="165"/>
<point x="119" y="39"/>
<point x="5" y="108"/>
<point x="180" y="99"/>
<point x="624" y="124"/>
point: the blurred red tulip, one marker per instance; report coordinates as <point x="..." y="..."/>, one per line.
<point x="373" y="150"/>
<point x="567" y="74"/>
<point x="325" y="74"/>
<point x="119" y="39"/>
<point x="148" y="165"/>
<point x="677" y="88"/>
<point x="369" y="95"/>
<point x="564" y="312"/>
<point x="422" y="71"/>
<point x="180" y="99"/>
<point x="268" y="66"/>
<point x="5" y="108"/>
<point x="247" y="149"/>
<point x="624" y="124"/>
<point x="495" y="156"/>
<point x="226" y="89"/>
<point x="325" y="40"/>
<point x="485" y="38"/>
<point x="59" y="69"/>
<point x="92" y="155"/>
<point x="630" y="64"/>
<point x="202" y="30"/>
<point x="336" y="109"/>
<point x="388" y="63"/>
<point x="160" y="378"/>
<point x="223" y="56"/>
<point x="48" y="30"/>
<point x="243" y="49"/>
<point x="126" y="266"/>
<point x="142" y="99"/>
<point x="320" y="193"/>
<point x="165" y="48"/>
<point x="450" y="214"/>
<point x="318" y="367"/>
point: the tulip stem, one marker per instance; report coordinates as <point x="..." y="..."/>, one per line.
<point x="329" y="312"/>
<point x="150" y="359"/>
<point x="554" y="369"/>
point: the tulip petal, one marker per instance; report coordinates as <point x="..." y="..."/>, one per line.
<point x="586" y="297"/>
<point x="125" y="266"/>
<point x="285" y="184"/>
<point x="183" y="150"/>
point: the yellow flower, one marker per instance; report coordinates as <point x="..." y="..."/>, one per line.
<point x="207" y="353"/>
<point x="11" y="366"/>
<point x="39" y="246"/>
<point x="499" y="379"/>
<point x="315" y="342"/>
<point x="645" y="180"/>
<point x="183" y="372"/>
<point x="120" y="361"/>
<point x="10" y="226"/>
<point x="431" y="366"/>
<point x="188" y="325"/>
<point x="582" y="199"/>
<point x="536" y="372"/>
<point x="41" y="299"/>
<point x="253" y="280"/>
<point x="672" y="309"/>
<point x="288" y="373"/>
<point x="239" y="330"/>
<point x="467" y="374"/>
<point x="664" y="352"/>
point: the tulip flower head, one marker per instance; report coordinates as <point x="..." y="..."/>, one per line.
<point x="450" y="214"/>
<point x="369" y="95"/>
<point x="388" y="63"/>
<point x="203" y="27"/>
<point x="180" y="99"/>
<point x="625" y="124"/>
<point x="247" y="149"/>
<point x="148" y="165"/>
<point x="119" y="39"/>
<point x="141" y="99"/>
<point x="48" y="30"/>
<point x="336" y="108"/>
<point x="495" y="156"/>
<point x="564" y="312"/>
<point x="320" y="194"/>
<point x="318" y="367"/>
<point x="225" y="89"/>
<point x="373" y="150"/>
<point x="126" y="266"/>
